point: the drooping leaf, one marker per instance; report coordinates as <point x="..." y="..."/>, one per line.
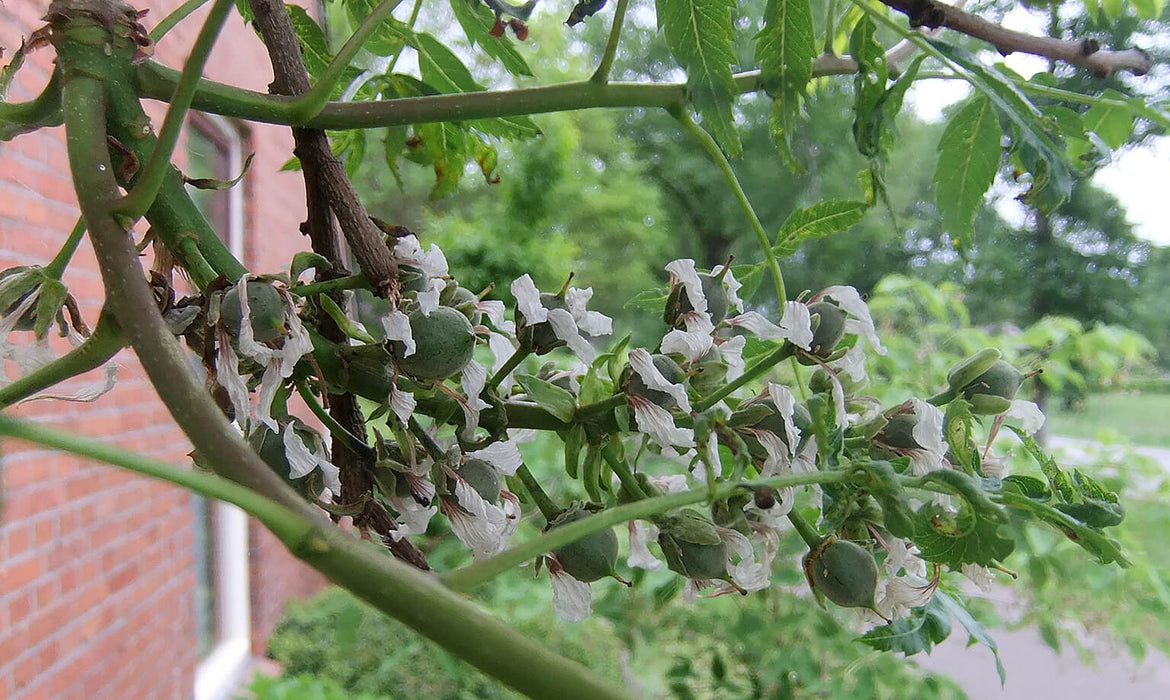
<point x="817" y="221"/>
<point x="1039" y="147"/>
<point x="954" y="539"/>
<point x="958" y="430"/>
<point x="477" y="21"/>
<point x="699" y="34"/>
<point x="548" y="396"/>
<point x="314" y="46"/>
<point x="1105" y="549"/>
<point x="443" y="146"/>
<point x="968" y="158"/>
<point x="976" y="630"/>
<point x="785" y="49"/>
<point x="916" y="633"/>
<point x="1113" y="123"/>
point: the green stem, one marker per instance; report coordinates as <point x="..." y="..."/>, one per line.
<point x="624" y="475"/>
<point x="433" y="448"/>
<point x="139" y="199"/>
<point x="807" y="532"/>
<point x="275" y="517"/>
<point x="178" y="15"/>
<point x="759" y="368"/>
<point x="548" y="507"/>
<point x="512" y="363"/>
<point x="467" y="578"/>
<point x="601" y="75"/>
<point x="337" y="430"/>
<point x="708" y="143"/>
<point x="105" y="342"/>
<point x="18" y="118"/>
<point x="603" y="406"/>
<point x="410" y="24"/>
<point x="56" y="267"/>
<point x="309" y="104"/>
<point x="357" y="281"/>
<point x="830" y="26"/>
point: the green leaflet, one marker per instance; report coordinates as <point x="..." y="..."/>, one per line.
<point x="968" y="158"/>
<point x="440" y="67"/>
<point x="976" y="630"/>
<point x="477" y="20"/>
<point x="916" y="633"/>
<point x="699" y="34"/>
<point x="1113" y="123"/>
<point x="548" y="396"/>
<point x="314" y="46"/>
<point x="785" y="49"/>
<point x="388" y="39"/>
<point x="1037" y="143"/>
<point x="817" y="221"/>
<point x="443" y="146"/>
<point x="954" y="539"/>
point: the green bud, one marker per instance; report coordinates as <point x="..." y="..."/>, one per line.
<point x="844" y="572"/>
<point x="692" y="546"/>
<point x="633" y="383"/>
<point x="772" y="421"/>
<point x="266" y="311"/>
<point x="829" y="330"/>
<point x="969" y="369"/>
<point x="480" y="476"/>
<point x="679" y="303"/>
<point x="540" y="337"/>
<point x="993" y="390"/>
<point x="462" y="300"/>
<point x="899" y="432"/>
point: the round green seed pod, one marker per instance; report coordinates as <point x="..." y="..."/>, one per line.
<point x="635" y="385"/>
<point x="712" y="370"/>
<point x="266" y="311"/>
<point x="679" y="303"/>
<point x="270" y="446"/>
<point x="480" y="476"/>
<point x="774" y="423"/>
<point x="830" y="328"/>
<point x="462" y="300"/>
<point x="444" y="343"/>
<point x="844" y="572"/>
<point x="413" y="279"/>
<point x="692" y="546"/>
<point x="590" y="558"/>
<point x="540" y="337"/>
<point x="992" y="392"/>
<point x="899" y="432"/>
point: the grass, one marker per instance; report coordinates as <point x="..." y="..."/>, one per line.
<point x="1138" y="418"/>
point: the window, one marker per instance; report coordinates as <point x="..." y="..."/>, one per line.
<point x="222" y="610"/>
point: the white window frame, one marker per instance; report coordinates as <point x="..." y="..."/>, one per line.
<point x="221" y="671"/>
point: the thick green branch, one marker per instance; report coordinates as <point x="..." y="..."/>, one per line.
<point x="468" y="578"/>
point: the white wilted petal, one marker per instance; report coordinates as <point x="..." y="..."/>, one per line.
<point x="477" y="523"/>
<point x="565" y="328"/>
<point x="684" y="271"/>
<point x="408" y="250"/>
<point x="503" y="455"/>
<point x="796" y="323"/>
<point x="860" y="323"/>
<point x="731" y="351"/>
<point x="1029" y="413"/>
<point x="472" y="381"/>
<point x="642" y="363"/>
<point x="692" y="346"/>
<point x="928" y="430"/>
<point x="657" y="422"/>
<point x="981" y="576"/>
<point x="759" y="326"/>
<point x="641" y="535"/>
<point x="227" y="373"/>
<point x="428" y="301"/>
<point x="397" y="327"/>
<point x="785" y="403"/>
<point x="852" y="363"/>
<point x="733" y="287"/>
<point x="270" y="383"/>
<point x="301" y="460"/>
<point x="402" y="403"/>
<point x="904" y="593"/>
<point x="528" y="300"/>
<point x="751" y="573"/>
<point x="413" y="518"/>
<point x="779" y="454"/>
<point x="572" y="599"/>
<point x="594" y="323"/>
<point x="671" y="483"/>
<point x="494" y="310"/>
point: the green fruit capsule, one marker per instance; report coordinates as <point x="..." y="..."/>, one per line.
<point x="969" y="369"/>
<point x="266" y="311"/>
<point x="899" y="432"/>
<point x="992" y="392"/>
<point x="679" y="303"/>
<point x="540" y="337"/>
<point x="692" y="546"/>
<point x="773" y="422"/>
<point x="444" y="343"/>
<point x="462" y="300"/>
<point x="590" y="558"/>
<point x="670" y="370"/>
<point x="844" y="572"/>
<point x="830" y="328"/>
<point x="480" y="476"/>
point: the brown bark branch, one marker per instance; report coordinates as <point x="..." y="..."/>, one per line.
<point x="291" y="78"/>
<point x="1085" y="53"/>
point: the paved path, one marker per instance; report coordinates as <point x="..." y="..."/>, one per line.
<point x="1034" y="670"/>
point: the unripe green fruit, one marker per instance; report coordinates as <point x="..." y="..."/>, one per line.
<point x="830" y="329"/>
<point x="590" y="558"/>
<point x="540" y="337"/>
<point x="462" y="300"/>
<point x="969" y="369"/>
<point x="266" y="311"/>
<point x="670" y="370"/>
<point x="899" y="432"/>
<point x="679" y="303"/>
<point x="992" y="392"/>
<point x="482" y="477"/>
<point x="444" y="343"/>
<point x="413" y="279"/>
<point x="692" y="546"/>
<point x="773" y="422"/>
<point x="270" y="446"/>
<point x="844" y="572"/>
<point x="712" y="370"/>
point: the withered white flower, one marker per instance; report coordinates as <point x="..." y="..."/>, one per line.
<point x="733" y="286"/>
<point x="409" y="251"/>
<point x="928" y="433"/>
<point x="302" y="460"/>
<point x="503" y="455"/>
<point x="641" y="535"/>
<point x="652" y="419"/>
<point x="749" y="571"/>
<point x="485" y="528"/>
<point x="1027" y="412"/>
<point x="396" y="325"/>
<point x="428" y="300"/>
<point x="795" y="325"/>
<point x="572" y="599"/>
<point x="568" y="324"/>
<point x="472" y="381"/>
<point x="858" y="320"/>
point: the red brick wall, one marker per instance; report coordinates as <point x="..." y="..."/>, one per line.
<point x="96" y="565"/>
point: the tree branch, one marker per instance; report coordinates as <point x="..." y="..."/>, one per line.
<point x="1085" y="53"/>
